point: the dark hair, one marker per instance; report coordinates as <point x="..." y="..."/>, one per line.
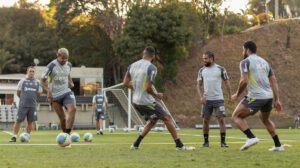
<point x="30" y="68"/>
<point x="210" y="54"/>
<point x="251" y="46"/>
<point x="149" y="50"/>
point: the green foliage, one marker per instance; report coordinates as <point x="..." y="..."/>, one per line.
<point x="162" y="28"/>
<point x="25" y="36"/>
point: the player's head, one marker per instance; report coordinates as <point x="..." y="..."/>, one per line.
<point x="99" y="90"/>
<point x="208" y="58"/>
<point x="149" y="52"/>
<point x="30" y="72"/>
<point x="62" y="56"/>
<point x="249" y="48"/>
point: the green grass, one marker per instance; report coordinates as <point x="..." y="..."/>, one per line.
<point x="112" y="150"/>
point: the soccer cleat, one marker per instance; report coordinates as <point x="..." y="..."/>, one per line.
<point x="185" y="147"/>
<point x="205" y="145"/>
<point x="279" y="149"/>
<point x="134" y="147"/>
<point x="98" y="133"/>
<point x="68" y="146"/>
<point x="250" y="142"/>
<point x="101" y="133"/>
<point x="224" y="145"/>
<point x="13" y="139"/>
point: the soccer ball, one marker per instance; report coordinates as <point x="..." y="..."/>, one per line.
<point x="141" y="129"/>
<point x="75" y="137"/>
<point x="63" y="139"/>
<point x="88" y="137"/>
<point x="24" y="137"/>
<point x="111" y="130"/>
<point x="157" y="129"/>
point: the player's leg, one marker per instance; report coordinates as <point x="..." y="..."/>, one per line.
<point x="239" y="115"/>
<point x="219" y="105"/>
<point x="97" y="126"/>
<point x="101" y="126"/>
<point x="31" y="116"/>
<point x="222" y="126"/>
<point x="71" y="117"/>
<point x="146" y="130"/>
<point x="207" y="110"/>
<point x="58" y="108"/>
<point x="270" y="126"/>
<point x="22" y="112"/>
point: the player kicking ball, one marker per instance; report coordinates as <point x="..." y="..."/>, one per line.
<point x="59" y="93"/>
<point x="28" y="91"/>
<point x="258" y="77"/>
<point x="140" y="77"/>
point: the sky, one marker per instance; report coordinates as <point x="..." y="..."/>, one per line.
<point x="232" y="5"/>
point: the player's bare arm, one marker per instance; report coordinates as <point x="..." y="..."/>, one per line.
<point x="150" y="90"/>
<point x="242" y="86"/>
<point x="44" y="85"/>
<point x="70" y="82"/>
<point x="127" y="83"/>
<point x="274" y="85"/>
<point x="200" y="92"/>
<point x="228" y="88"/>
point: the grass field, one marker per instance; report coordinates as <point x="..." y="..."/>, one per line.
<point x="157" y="150"/>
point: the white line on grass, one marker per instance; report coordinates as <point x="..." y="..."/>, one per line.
<point x="8" y="133"/>
<point x="102" y="144"/>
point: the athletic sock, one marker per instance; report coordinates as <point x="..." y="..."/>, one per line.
<point x="276" y="141"/>
<point x="223" y="135"/>
<point x="97" y="132"/>
<point x="15" y="135"/>
<point x="101" y="130"/>
<point x="205" y="138"/>
<point x="138" y="141"/>
<point x="178" y="142"/>
<point x="68" y="131"/>
<point x="249" y="133"/>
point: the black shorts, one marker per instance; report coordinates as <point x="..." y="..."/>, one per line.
<point x="210" y="105"/>
<point x="254" y="105"/>
<point x="100" y="116"/>
<point x="151" y="112"/>
<point x="67" y="98"/>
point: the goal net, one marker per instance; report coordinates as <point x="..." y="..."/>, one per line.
<point x="122" y="112"/>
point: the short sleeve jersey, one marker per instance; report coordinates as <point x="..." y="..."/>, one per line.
<point x="212" y="79"/>
<point x="141" y="72"/>
<point x="29" y="90"/>
<point x="258" y="71"/>
<point x="58" y="75"/>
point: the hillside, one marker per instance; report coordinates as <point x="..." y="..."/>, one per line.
<point x="181" y="95"/>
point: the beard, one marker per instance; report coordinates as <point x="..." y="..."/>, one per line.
<point x="207" y="64"/>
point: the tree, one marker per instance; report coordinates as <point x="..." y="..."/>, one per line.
<point x="162" y="28"/>
<point x="7" y="61"/>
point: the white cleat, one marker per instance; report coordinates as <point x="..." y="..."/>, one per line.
<point x="68" y="146"/>
<point x="184" y="147"/>
<point x="279" y="149"/>
<point x="132" y="147"/>
<point x="249" y="143"/>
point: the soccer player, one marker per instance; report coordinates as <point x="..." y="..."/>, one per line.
<point x="28" y="90"/>
<point x="140" y="77"/>
<point x="296" y="122"/>
<point x="59" y="93"/>
<point x="100" y="107"/>
<point x="258" y="77"/>
<point x="211" y="76"/>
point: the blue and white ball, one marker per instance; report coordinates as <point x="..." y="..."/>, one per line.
<point x="24" y="137"/>
<point x="75" y="137"/>
<point x="141" y="129"/>
<point x="111" y="130"/>
<point x="88" y="137"/>
<point x="63" y="139"/>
